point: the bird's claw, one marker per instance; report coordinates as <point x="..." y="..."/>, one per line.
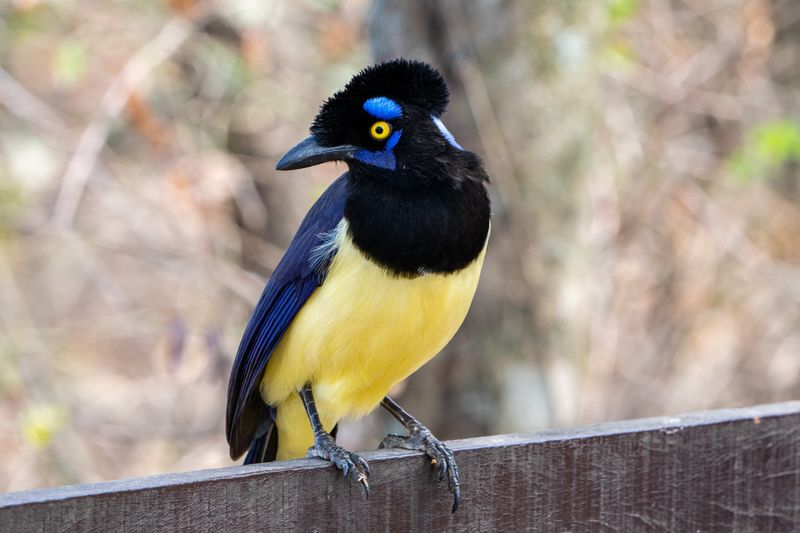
<point x="346" y="461"/>
<point x="440" y="455"/>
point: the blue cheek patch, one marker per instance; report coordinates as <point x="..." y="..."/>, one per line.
<point x="393" y="140"/>
<point x="381" y="158"/>
<point x="383" y="108"/>
<point x="445" y="132"/>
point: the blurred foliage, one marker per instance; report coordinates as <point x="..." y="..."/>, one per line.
<point x="69" y="64"/>
<point x="40" y="423"/>
<point x="766" y="149"/>
<point x="628" y="274"/>
<point x="620" y="11"/>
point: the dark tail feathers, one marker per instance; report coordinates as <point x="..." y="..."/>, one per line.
<point x="263" y="448"/>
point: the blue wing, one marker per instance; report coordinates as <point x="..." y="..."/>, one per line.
<point x="296" y="277"/>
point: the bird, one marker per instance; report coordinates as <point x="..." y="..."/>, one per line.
<point x="377" y="280"/>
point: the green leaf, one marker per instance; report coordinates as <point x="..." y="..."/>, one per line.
<point x="323" y="5"/>
<point x="69" y="63"/>
<point x="618" y="55"/>
<point x="766" y="148"/>
<point x="620" y="11"/>
<point x="41" y="422"/>
<point x="778" y="142"/>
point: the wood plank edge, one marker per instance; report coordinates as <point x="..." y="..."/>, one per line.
<point x="756" y="414"/>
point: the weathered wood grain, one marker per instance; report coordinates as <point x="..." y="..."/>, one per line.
<point x="731" y="470"/>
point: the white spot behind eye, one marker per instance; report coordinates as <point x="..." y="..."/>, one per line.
<point x="445" y="132"/>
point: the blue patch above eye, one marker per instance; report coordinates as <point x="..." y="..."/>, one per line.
<point x="382" y="158"/>
<point x="383" y="108"/>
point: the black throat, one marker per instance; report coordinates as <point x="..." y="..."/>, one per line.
<point x="426" y="217"/>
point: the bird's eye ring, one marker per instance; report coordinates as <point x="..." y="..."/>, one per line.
<point x="380" y="130"/>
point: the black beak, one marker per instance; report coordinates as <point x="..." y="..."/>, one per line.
<point x="309" y="152"/>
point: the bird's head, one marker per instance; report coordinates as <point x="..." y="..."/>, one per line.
<point x="385" y="120"/>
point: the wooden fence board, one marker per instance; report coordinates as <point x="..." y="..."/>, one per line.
<point x="729" y="470"/>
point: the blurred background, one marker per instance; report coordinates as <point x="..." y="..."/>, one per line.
<point x="645" y="254"/>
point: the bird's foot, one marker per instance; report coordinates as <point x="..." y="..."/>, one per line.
<point x="421" y="439"/>
<point x="348" y="462"/>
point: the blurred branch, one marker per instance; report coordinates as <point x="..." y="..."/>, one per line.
<point x="97" y="272"/>
<point x="729" y="233"/>
<point x="491" y="135"/>
<point x="28" y="107"/>
<point x="501" y="165"/>
<point x="94" y="137"/>
<point x="239" y="281"/>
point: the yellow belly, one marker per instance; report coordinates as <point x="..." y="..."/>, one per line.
<point x="359" y="334"/>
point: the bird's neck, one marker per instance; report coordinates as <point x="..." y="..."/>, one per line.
<point x="411" y="231"/>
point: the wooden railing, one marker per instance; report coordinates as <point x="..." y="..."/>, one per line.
<point x="729" y="470"/>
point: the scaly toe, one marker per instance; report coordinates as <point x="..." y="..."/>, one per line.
<point x="348" y="462"/>
<point x="440" y="456"/>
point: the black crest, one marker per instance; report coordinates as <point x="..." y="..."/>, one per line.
<point x="408" y="82"/>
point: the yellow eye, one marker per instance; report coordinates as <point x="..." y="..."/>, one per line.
<point x="380" y="130"/>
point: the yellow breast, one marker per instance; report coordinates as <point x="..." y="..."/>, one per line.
<point x="361" y="332"/>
